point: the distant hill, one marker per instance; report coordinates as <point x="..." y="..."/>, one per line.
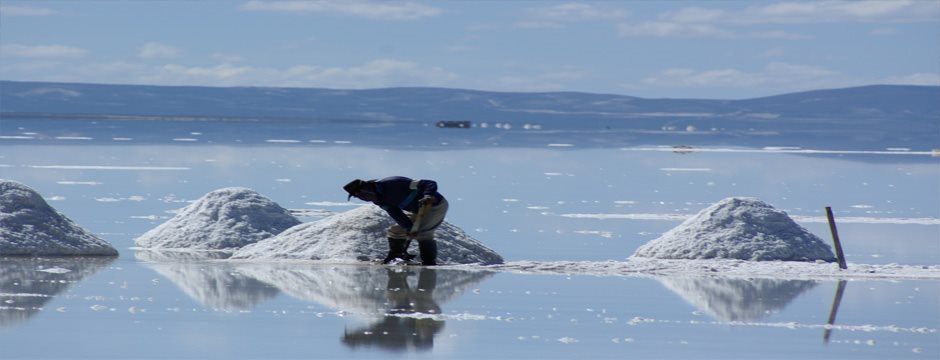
<point x="439" y="103"/>
<point x="889" y="114"/>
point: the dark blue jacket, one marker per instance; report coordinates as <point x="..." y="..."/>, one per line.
<point x="397" y="193"/>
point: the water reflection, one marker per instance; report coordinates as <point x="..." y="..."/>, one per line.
<point x="836" y="300"/>
<point x="214" y="285"/>
<point x="741" y="300"/>
<point x="399" y="329"/>
<point x="27" y="284"/>
<point x="400" y="304"/>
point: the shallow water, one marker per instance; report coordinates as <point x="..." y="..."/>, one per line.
<point x="179" y="308"/>
<point x="544" y="201"/>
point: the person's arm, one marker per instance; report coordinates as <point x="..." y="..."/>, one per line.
<point x="399" y="216"/>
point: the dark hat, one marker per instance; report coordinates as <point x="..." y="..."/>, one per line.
<point x="353" y="187"/>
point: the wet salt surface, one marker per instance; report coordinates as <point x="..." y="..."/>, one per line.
<point x="171" y="306"/>
<point x="564" y="218"/>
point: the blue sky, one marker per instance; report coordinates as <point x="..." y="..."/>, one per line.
<point x="654" y="49"/>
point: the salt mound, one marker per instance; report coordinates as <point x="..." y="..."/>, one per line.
<point x="30" y="227"/>
<point x="738" y="228"/>
<point x="227" y="218"/>
<point x="360" y="234"/>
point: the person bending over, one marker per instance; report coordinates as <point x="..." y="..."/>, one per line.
<point x="401" y="198"/>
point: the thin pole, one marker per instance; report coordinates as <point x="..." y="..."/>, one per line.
<point x="840" y="256"/>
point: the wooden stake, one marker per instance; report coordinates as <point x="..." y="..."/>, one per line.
<point x="835" y="239"/>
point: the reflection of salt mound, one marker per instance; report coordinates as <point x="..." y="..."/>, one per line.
<point x="360" y="234"/>
<point x="738" y="228"/>
<point x="731" y="299"/>
<point x="29" y="226"/>
<point x="217" y="286"/>
<point x="223" y="219"/>
<point x="27" y="284"/>
<point x="363" y="290"/>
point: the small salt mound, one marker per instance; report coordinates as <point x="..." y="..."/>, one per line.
<point x="227" y="218"/>
<point x="361" y="234"/>
<point x="30" y="227"/>
<point x="738" y="228"/>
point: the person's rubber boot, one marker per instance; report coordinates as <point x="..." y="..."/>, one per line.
<point x="428" y="249"/>
<point x="397" y="249"/>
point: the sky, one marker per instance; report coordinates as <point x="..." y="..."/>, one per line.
<point x="652" y="49"/>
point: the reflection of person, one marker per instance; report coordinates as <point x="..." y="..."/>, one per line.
<point x="401" y="198"/>
<point x="397" y="330"/>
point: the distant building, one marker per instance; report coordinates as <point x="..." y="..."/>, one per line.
<point x="462" y="124"/>
<point x="682" y="149"/>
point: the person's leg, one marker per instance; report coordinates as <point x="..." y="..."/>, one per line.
<point x="427" y="246"/>
<point x="397" y="244"/>
<point x="428" y="250"/>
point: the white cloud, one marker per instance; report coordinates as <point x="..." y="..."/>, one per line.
<point x="772" y="53"/>
<point x="884" y="31"/>
<point x="376" y="73"/>
<point x="704" y="22"/>
<point x="29" y="68"/>
<point x="42" y="51"/>
<point x="218" y="74"/>
<point x="679" y="29"/>
<point x="779" y="71"/>
<point x="776" y="74"/>
<point x="532" y="24"/>
<point x="553" y="79"/>
<point x="683" y="77"/>
<point x="382" y="10"/>
<point x="842" y="11"/>
<point x="575" y="12"/>
<point x="525" y="84"/>
<point x="671" y="29"/>
<point x="152" y="50"/>
<point x="694" y="15"/>
<point x="19" y="10"/>
<point x="570" y="74"/>
<point x="556" y="16"/>
<point x="226" y="58"/>
<point x="460" y="48"/>
<point x="70" y="71"/>
<point x="373" y="74"/>
<point x="778" y="34"/>
<point x="914" y="79"/>
<point x="383" y="72"/>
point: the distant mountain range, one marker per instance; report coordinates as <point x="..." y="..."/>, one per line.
<point x="880" y="114"/>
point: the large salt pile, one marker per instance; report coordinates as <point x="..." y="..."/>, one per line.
<point x="738" y="228"/>
<point x="223" y="219"/>
<point x="360" y="234"/>
<point x="30" y="227"/>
